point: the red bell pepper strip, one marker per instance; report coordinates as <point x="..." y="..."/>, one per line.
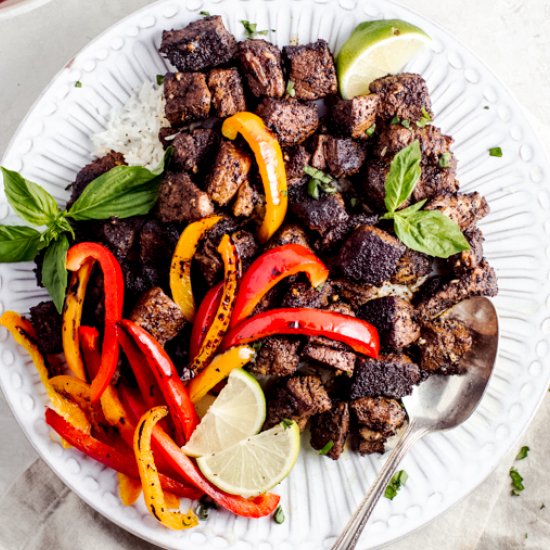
<point x="89" y="344"/>
<point x="77" y="255"/>
<point x="271" y="268"/>
<point x="204" y="317"/>
<point x="361" y="336"/>
<point x="111" y="457"/>
<point x="182" y="410"/>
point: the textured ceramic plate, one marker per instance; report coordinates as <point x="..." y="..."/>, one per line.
<point x="52" y="144"/>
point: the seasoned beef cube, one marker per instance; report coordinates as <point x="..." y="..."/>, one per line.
<point x="331" y="426"/>
<point x="200" y="45"/>
<point x="480" y="281"/>
<point x="187" y="97"/>
<point x="435" y="180"/>
<point x="157" y="242"/>
<point x="353" y="117"/>
<point x="304" y="295"/>
<point x="298" y="399"/>
<point x="245" y="200"/>
<point x="370" y="255"/>
<point x="379" y="414"/>
<point x="119" y="236"/>
<point x="158" y="315"/>
<point x="291" y="121"/>
<point x="369" y="442"/>
<point x="296" y="159"/>
<point x="311" y="69"/>
<point x="373" y="183"/>
<point x="323" y="214"/>
<point x="412" y="267"/>
<point x="193" y="150"/>
<point x="167" y="134"/>
<point x="442" y="344"/>
<point x="278" y="356"/>
<point x="355" y="293"/>
<point x="391" y="376"/>
<point x="464" y="209"/>
<point x="261" y="63"/>
<point x="46" y="322"/>
<point x="180" y="200"/>
<point x="402" y="95"/>
<point x="230" y="172"/>
<point x="227" y="92"/>
<point x="468" y="259"/>
<point x="318" y="156"/>
<point x="246" y="246"/>
<point x="330" y="354"/>
<point x="289" y="234"/>
<point x="343" y="157"/>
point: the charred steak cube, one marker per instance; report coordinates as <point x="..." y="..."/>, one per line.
<point x="298" y="399"/>
<point x="369" y="255"/>
<point x="291" y="121"/>
<point x="230" y="172"/>
<point x="157" y="241"/>
<point x="373" y="183"/>
<point x="278" y="356"/>
<point x="289" y="234"/>
<point x="331" y="427"/>
<point x="330" y="353"/>
<point x="391" y="376"/>
<point x="369" y="441"/>
<point x="46" y="322"/>
<point x="245" y="200"/>
<point x="311" y="69"/>
<point x="342" y="157"/>
<point x="192" y="151"/>
<point x="435" y="180"/>
<point x="464" y="209"/>
<point x="323" y="214"/>
<point x="119" y="236"/>
<point x="353" y="117"/>
<point x="412" y="267"/>
<point x="246" y="246"/>
<point x="187" y="97"/>
<point x="354" y="293"/>
<point x="227" y="92"/>
<point x="261" y="64"/>
<point x="158" y="315"/>
<point x="402" y="95"/>
<point x="395" y="320"/>
<point x="296" y="159"/>
<point x="379" y="414"/>
<point x="180" y="200"/>
<point x="200" y="45"/>
<point x="304" y="295"/>
<point x="468" y="259"/>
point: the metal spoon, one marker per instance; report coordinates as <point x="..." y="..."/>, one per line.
<point x="439" y="403"/>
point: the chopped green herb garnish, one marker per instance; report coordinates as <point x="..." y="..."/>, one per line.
<point x="370" y="130"/>
<point x="542" y="506"/>
<point x="327" y="448"/>
<point x="495" y="151"/>
<point x="486" y="107"/>
<point x="78" y="84"/>
<point x="353" y="202"/>
<point x="286" y="422"/>
<point x="318" y="181"/>
<point x="517" y="482"/>
<point x="523" y="452"/>
<point x="160" y="79"/>
<point x="526" y="535"/>
<point x="317" y="174"/>
<point x="406" y="124"/>
<point x="204" y="13"/>
<point x="202" y="512"/>
<point x="290" y="91"/>
<point x="445" y="160"/>
<point x="425" y="120"/>
<point x="397" y="481"/>
<point x="257" y="345"/>
<point x="395" y="120"/>
<point x="279" y="515"/>
<point x="313" y="188"/>
<point x="250" y="29"/>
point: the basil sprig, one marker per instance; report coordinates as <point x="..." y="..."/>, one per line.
<point x="426" y="231"/>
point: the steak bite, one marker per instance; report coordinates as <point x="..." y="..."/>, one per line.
<point x="230" y="172"/>
<point x="180" y="200"/>
<point x="330" y="353"/>
<point x="278" y="356"/>
<point x="369" y="442"/>
<point x="394" y="318"/>
<point x="296" y="159"/>
<point x="353" y="117"/>
<point x="311" y="69"/>
<point x="331" y="426"/>
<point x="227" y="92"/>
<point x="442" y="344"/>
<point x="291" y="121"/>
<point x="193" y="150"/>
<point x="402" y="95"/>
<point x="200" y="45"/>
<point x="369" y="255"/>
<point x="468" y="259"/>
<point x="158" y="315"/>
<point x="245" y="200"/>
<point x="379" y="414"/>
<point x="119" y="236"/>
<point x="187" y="97"/>
<point x="289" y="233"/>
<point x="373" y="183"/>
<point x="391" y="375"/>
<point x="302" y="294"/>
<point x="412" y="267"/>
<point x="298" y="399"/>
<point x="157" y="241"/>
<point x="46" y="322"/>
<point x="463" y="208"/>
<point x="343" y="157"/>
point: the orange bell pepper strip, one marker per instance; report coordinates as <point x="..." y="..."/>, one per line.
<point x="214" y="336"/>
<point x="180" y="268"/>
<point x="269" y="158"/>
<point x="72" y="314"/>
<point x="148" y="473"/>
<point x="129" y="489"/>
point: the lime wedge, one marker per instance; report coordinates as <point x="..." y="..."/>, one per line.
<point x="375" y="49"/>
<point x="255" y="464"/>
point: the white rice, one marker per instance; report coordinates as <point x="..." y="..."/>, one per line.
<point x="133" y="129"/>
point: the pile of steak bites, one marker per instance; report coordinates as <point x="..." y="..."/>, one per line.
<point x="372" y="274"/>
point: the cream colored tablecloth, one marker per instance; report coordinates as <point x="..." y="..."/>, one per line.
<point x="513" y="38"/>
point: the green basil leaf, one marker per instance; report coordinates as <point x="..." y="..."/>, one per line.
<point x="31" y="201"/>
<point x="54" y="272"/>
<point x="402" y="176"/>
<point x="121" y="192"/>
<point x="430" y="232"/>
<point x="18" y="243"/>
<point x="412" y="209"/>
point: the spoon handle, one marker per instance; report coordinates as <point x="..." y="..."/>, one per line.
<point x="351" y="533"/>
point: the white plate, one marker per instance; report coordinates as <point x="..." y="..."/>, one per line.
<point x="52" y="144"/>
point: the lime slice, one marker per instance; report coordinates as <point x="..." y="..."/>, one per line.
<point x="375" y="49"/>
<point x="238" y="412"/>
<point x="255" y="464"/>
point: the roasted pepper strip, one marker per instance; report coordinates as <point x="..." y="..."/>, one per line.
<point x="180" y="268"/>
<point x="269" y="157"/>
<point x="114" y="296"/>
<point x="129" y="489"/>
<point x="183" y="414"/>
<point x="361" y="336"/>
<point x="203" y="320"/>
<point x="75" y="388"/>
<point x="214" y="335"/>
<point x="218" y="369"/>
<point x="271" y="268"/>
<point x="24" y="334"/>
<point x="152" y="490"/>
<point x="72" y="314"/>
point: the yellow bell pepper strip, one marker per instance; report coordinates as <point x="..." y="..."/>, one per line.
<point x="269" y="158"/>
<point x="180" y="268"/>
<point x="129" y="489"/>
<point x="172" y="500"/>
<point x="152" y="490"/>
<point x="74" y="388"/>
<point x="232" y="274"/>
<point x="218" y="369"/>
<point x="24" y="334"/>
<point x="72" y="314"/>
